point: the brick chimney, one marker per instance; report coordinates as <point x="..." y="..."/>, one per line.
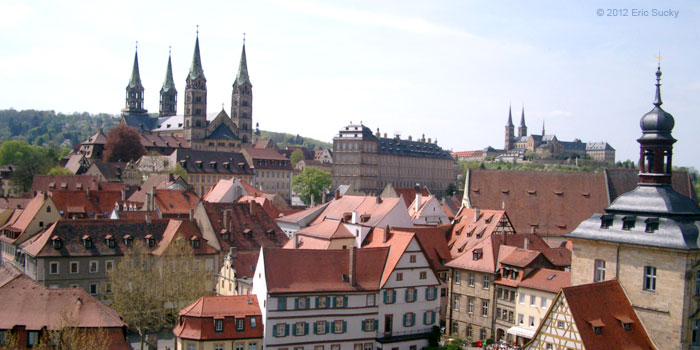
<point x="191" y="214"/>
<point x="477" y="213"/>
<point x="337" y="194"/>
<point x="386" y="234"/>
<point x="295" y="241"/>
<point x="123" y="194"/>
<point x="351" y="266"/>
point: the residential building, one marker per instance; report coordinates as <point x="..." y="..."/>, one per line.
<point x="50" y="183"/>
<point x="205" y="168"/>
<point x="646" y="239"/>
<point x="236" y="273"/>
<point x="7" y="186"/>
<point x="369" y="162"/>
<point x="87" y="203"/>
<point x="427" y="211"/>
<point x="220" y="323"/>
<point x="39" y="214"/>
<point x="80" y="253"/>
<point x="273" y="171"/>
<point x="324" y="156"/>
<point x="94" y="146"/>
<point x="592" y="316"/>
<point x="29" y="310"/>
<point x="108" y="171"/>
<point x="353" y="299"/>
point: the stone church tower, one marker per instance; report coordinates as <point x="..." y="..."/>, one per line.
<point x="168" y="93"/>
<point x="510" y="131"/>
<point x="242" y="102"/>
<point x="134" y="91"/>
<point x="648" y="239"/>
<point x="522" y="129"/>
<point x="195" y="117"/>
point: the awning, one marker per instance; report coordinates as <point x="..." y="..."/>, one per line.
<point x="521" y="332"/>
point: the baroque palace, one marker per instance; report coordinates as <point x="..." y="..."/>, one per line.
<point x="194" y="129"/>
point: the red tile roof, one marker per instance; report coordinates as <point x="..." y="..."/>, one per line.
<point x="154" y="180"/>
<point x="97" y="202"/>
<point x="467" y="231"/>
<point x="264" y="202"/>
<point x="371" y="207"/>
<point x="250" y="226"/>
<point x="397" y="241"/>
<point x="608" y="303"/>
<point x="14" y="202"/>
<point x="175" y="202"/>
<point x="20" y="223"/>
<point x="547" y="280"/>
<point x="197" y="319"/>
<point x="290" y="270"/>
<point x="187" y="230"/>
<point x="329" y="229"/>
<point x="409" y="194"/>
<point x="520" y="257"/>
<point x="48" y="183"/>
<point x="245" y="263"/>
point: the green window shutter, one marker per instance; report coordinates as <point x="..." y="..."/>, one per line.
<point x="286" y="329"/>
<point x="435" y="290"/>
<point x="296" y="303"/>
<point x="385" y="297"/>
<point x="306" y="328"/>
<point x="274" y="330"/>
<point x="317" y="302"/>
<point x="393" y="293"/>
<point x="427" y="292"/>
<point x="294" y="329"/>
<point x="314" y="328"/>
<point x="425" y="317"/>
<point x="405" y="320"/>
<point x="406" y="295"/>
<point x="415" y="294"/>
<point x="345" y="326"/>
<point x="432" y="317"/>
<point x="363" y="326"/>
<point x="345" y="301"/>
<point x="308" y="302"/>
<point x="328" y="326"/>
<point x="376" y="325"/>
<point x="333" y="301"/>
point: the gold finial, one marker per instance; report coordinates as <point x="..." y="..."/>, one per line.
<point x="658" y="58"/>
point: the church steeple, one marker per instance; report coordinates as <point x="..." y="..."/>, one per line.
<point x="242" y="100"/>
<point x="510" y="130"/>
<point x="196" y="99"/>
<point x="656" y="143"/>
<point x="543" y="128"/>
<point x="168" y="93"/>
<point x="134" y="90"/>
<point x="522" y="129"/>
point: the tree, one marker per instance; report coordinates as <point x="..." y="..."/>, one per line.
<point x="149" y="290"/>
<point x="311" y="181"/>
<point x="296" y="156"/>
<point x="66" y="335"/>
<point x="29" y="160"/>
<point x="57" y="170"/>
<point x="123" y="144"/>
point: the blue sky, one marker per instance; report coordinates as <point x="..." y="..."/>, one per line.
<point x="446" y="69"/>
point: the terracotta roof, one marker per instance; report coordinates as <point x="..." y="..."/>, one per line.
<point x="217" y="192"/>
<point x="265" y="203"/>
<point x="162" y="141"/>
<point x="251" y="228"/>
<point x="411" y="208"/>
<point x="154" y="180"/>
<point x="97" y="203"/>
<point x="183" y="229"/>
<point x="139" y="215"/>
<point x="8" y="272"/>
<point x="26" y="216"/>
<point x="308" y="242"/>
<point x="26" y="303"/>
<point x="71" y="233"/>
<point x="244" y="263"/>
<point x="610" y="304"/>
<point x="547" y="280"/>
<point x="48" y="183"/>
<point x="409" y="194"/>
<point x="364" y="206"/>
<point x="175" y="202"/>
<point x="287" y="270"/>
<point x="14" y="202"/>
<point x="486" y="261"/>
<point x="466" y="231"/>
<point x="397" y="241"/>
<point x="298" y="215"/>
<point x="476" y="153"/>
<point x="520" y="257"/>
<point x="328" y="229"/>
<point x="559" y="256"/>
<point x="198" y="318"/>
<point x="433" y="241"/>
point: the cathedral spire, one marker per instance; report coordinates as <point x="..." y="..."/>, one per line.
<point x="135" y="76"/>
<point x="196" y="69"/>
<point x="510" y="116"/>
<point x="542" y="127"/>
<point x="242" y="76"/>
<point x="169" y="82"/>
<point x="522" y="129"/>
<point x="522" y="118"/>
<point x="168" y="93"/>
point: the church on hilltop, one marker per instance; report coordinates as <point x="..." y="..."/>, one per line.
<point x="196" y="128"/>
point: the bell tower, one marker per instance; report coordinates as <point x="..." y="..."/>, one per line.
<point x="168" y="93"/>
<point x="242" y="101"/>
<point x="134" y="91"/>
<point x="195" y="115"/>
<point x="510" y="131"/>
<point x="522" y="129"/>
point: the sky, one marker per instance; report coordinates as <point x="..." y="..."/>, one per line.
<point x="446" y="69"/>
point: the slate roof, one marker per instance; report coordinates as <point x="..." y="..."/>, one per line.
<point x="287" y="270"/>
<point x="49" y="183"/>
<point x="211" y="162"/>
<point x="406" y="148"/>
<point x="610" y="306"/>
<point x="222" y="132"/>
<point x="110" y="170"/>
<point x="598" y="146"/>
<point x="251" y="227"/>
<point x="242" y="76"/>
<point x="573" y="145"/>
<point x="198" y="318"/>
<point x="620" y="181"/>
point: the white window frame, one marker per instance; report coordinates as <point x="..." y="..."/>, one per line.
<point x="484" y="308"/>
<point x="649" y="278"/>
<point x="77" y="267"/>
<point x="95" y="264"/>
<point x="109" y="265"/>
<point x="598" y="270"/>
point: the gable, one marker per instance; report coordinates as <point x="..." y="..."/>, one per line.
<point x="550" y="332"/>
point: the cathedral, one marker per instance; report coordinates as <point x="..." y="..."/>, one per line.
<point x="195" y="128"/>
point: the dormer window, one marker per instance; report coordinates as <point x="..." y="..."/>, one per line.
<point x="628" y="222"/>
<point x="219" y="325"/>
<point x="128" y="240"/>
<point x="110" y="241"/>
<point x="271" y="233"/>
<point x="150" y="241"/>
<point x="652" y="224"/>
<point x="87" y="241"/>
<point x="597" y="325"/>
<point x="195" y="242"/>
<point x="597" y="330"/>
<point x="478" y="253"/>
<point x="57" y="242"/>
<point x="606" y="220"/>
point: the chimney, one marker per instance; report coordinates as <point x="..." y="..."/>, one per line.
<point x="525" y="241"/>
<point x="148" y="218"/>
<point x="87" y="191"/>
<point x="148" y="202"/>
<point x="295" y="241"/>
<point x="250" y="207"/>
<point x="410" y="138"/>
<point x="419" y="198"/>
<point x="153" y="198"/>
<point x="123" y="194"/>
<point x="378" y="134"/>
<point x="477" y="213"/>
<point x="351" y="266"/>
<point x="354" y="217"/>
<point x="386" y="234"/>
<point x="233" y="252"/>
<point x="430" y="140"/>
<point x="227" y="220"/>
<point x="379" y="199"/>
<point x="191" y="214"/>
<point x="384" y="135"/>
<point x="337" y="194"/>
<point x="532" y="229"/>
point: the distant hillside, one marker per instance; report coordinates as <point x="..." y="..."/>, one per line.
<point x="48" y="128"/>
<point x="284" y="139"/>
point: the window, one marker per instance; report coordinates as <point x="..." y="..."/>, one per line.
<point x="320" y="327"/>
<point x="697" y="282"/>
<point x="484" y="308"/>
<point x="93" y="288"/>
<point x="357" y="346"/>
<point x="522" y="298"/>
<point x="455" y="303"/>
<point x="650" y="278"/>
<point x="371" y="299"/>
<point x="218" y="326"/>
<point x="531" y="321"/>
<point x="695" y="335"/>
<point x="335" y="346"/>
<point x="93" y="266"/>
<point x="108" y="287"/>
<point x="252" y="345"/>
<point x="339" y="326"/>
<point x="469" y="331"/>
<point x="470" y="305"/>
<point x="471" y="279"/>
<point x="430" y="293"/>
<point x="32" y="338"/>
<point x="423" y="275"/>
<point x="281" y="303"/>
<point x="549" y="346"/>
<point x="240" y="324"/>
<point x="301" y="328"/>
<point x="520" y="319"/>
<point x="240" y="346"/>
<point x="369" y="346"/>
<point x="369" y="325"/>
<point x="533" y="300"/>
<point x="73" y="267"/>
<point x="340" y="301"/>
<point x="409" y="319"/>
<point x="253" y="322"/>
<point x="53" y="269"/>
<point x="411" y="295"/>
<point x="560" y="324"/>
<point x="543" y="302"/>
<point x="321" y="302"/>
<point x="280" y="330"/>
<point x="412" y="258"/>
<point x="109" y="265"/>
<point x="190" y="346"/>
<point x="487" y="282"/>
<point x="389" y="296"/>
<point x="301" y="303"/>
<point x="399" y="276"/>
<point x="482" y="333"/>
<point x="218" y="346"/>
<point x="599" y="272"/>
<point x="318" y="347"/>
<point x="458" y="279"/>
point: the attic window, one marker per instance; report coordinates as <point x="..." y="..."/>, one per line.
<point x="625" y="322"/>
<point x="127" y="240"/>
<point x="628" y="222"/>
<point x="87" y="241"/>
<point x="110" y="241"/>
<point x="199" y="164"/>
<point x="271" y="233"/>
<point x="365" y="217"/>
<point x="227" y="165"/>
<point x="224" y="233"/>
<point x="478" y="253"/>
<point x="506" y="191"/>
<point x="597" y="330"/>
<point x="559" y="193"/>
<point x="195" y="242"/>
<point x="606" y="220"/>
<point x="212" y="164"/>
<point x="150" y="241"/>
<point x="597" y="325"/>
<point x="246" y="231"/>
<point x="652" y="224"/>
<point x="57" y="242"/>
<point x="532" y="192"/>
<point x="586" y="194"/>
